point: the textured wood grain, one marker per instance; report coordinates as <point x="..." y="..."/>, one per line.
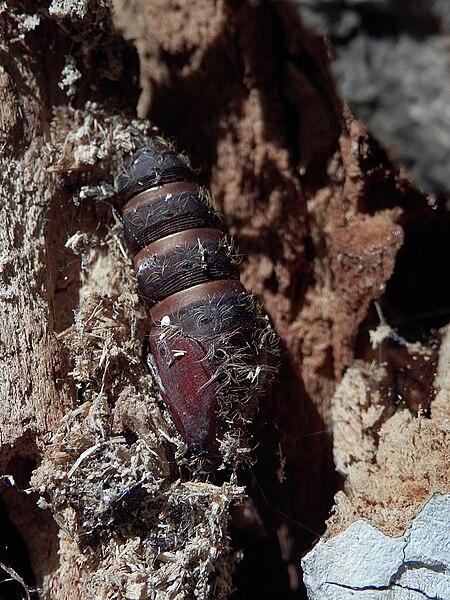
<point x="321" y="216"/>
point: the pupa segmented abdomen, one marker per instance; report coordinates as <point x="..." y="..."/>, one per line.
<point x="209" y="344"/>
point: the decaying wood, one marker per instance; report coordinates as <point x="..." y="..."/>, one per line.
<point x="95" y="479"/>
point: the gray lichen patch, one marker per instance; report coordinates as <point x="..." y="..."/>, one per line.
<point x="412" y="566"/>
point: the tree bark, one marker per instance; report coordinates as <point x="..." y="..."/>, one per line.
<point x="98" y="497"/>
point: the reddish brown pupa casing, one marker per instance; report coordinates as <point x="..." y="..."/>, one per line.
<point x="208" y="343"/>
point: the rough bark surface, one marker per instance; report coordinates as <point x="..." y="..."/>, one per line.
<point x="97" y="492"/>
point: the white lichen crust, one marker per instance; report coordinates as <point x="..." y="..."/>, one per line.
<point x="363" y="562"/>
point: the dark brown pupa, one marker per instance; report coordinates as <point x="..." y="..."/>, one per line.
<point x="209" y="345"/>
